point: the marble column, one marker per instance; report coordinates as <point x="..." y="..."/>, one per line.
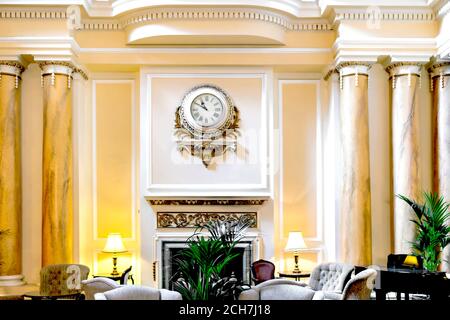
<point x="355" y="206"/>
<point x="405" y="83"/>
<point x="10" y="175"/>
<point x="57" y="172"/>
<point x="440" y="77"/>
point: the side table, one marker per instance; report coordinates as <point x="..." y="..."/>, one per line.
<point x="295" y="276"/>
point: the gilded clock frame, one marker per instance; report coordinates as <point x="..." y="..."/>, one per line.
<point x="206" y="142"/>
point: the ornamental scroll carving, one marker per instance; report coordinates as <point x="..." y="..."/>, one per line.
<point x="207" y="202"/>
<point x="199" y="219"/>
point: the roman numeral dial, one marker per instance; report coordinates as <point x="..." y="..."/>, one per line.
<point x="207" y="110"/>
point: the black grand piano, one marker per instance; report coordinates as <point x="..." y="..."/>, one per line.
<point x="400" y="278"/>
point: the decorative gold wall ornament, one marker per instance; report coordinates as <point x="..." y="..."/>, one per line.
<point x="206" y="123"/>
<point x="199" y="219"/>
<point x="206" y="202"/>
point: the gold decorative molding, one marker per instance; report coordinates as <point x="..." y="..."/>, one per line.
<point x="329" y="74"/>
<point x="206" y="202"/>
<point x="351" y="64"/>
<point x="199" y="219"/>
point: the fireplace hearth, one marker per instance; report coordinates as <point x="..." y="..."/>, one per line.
<point x="241" y="266"/>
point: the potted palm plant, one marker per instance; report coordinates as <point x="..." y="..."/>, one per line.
<point x="433" y="230"/>
<point x="201" y="266"/>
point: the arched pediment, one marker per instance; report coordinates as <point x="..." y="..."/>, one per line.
<point x="114" y="8"/>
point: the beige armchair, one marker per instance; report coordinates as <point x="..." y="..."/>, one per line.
<point x="330" y="278"/>
<point x="138" y="293"/>
<point x="357" y="288"/>
<point x="360" y="286"/>
<point x="62" y="280"/>
<point x="97" y="285"/>
<point x="280" y="289"/>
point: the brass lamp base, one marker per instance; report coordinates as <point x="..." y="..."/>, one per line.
<point x="296" y="269"/>
<point x="115" y="272"/>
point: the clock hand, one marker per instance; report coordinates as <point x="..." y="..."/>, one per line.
<point x="201" y="105"/>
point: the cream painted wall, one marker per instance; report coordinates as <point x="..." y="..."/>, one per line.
<point x="299" y="158"/>
<point x="170" y="167"/>
<point x="114" y="154"/>
<point x="301" y="195"/>
<point x="250" y="95"/>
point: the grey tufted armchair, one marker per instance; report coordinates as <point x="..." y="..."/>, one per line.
<point x="331" y="278"/>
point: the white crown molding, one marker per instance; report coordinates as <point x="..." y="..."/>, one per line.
<point x="203" y="14"/>
<point x="181" y="50"/>
<point x="42" y="48"/>
<point x="370" y="49"/>
<point x="382" y="14"/>
<point x="56" y="49"/>
<point x="48" y="13"/>
<point x="289" y="21"/>
<point x="441" y="7"/>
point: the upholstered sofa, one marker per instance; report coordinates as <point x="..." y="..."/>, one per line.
<point x="280" y="289"/>
<point x="138" y="293"/>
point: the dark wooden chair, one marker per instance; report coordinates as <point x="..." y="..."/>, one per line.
<point x="125" y="275"/>
<point x="262" y="270"/>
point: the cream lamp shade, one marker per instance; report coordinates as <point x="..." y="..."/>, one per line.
<point x="114" y="244"/>
<point x="295" y="242"/>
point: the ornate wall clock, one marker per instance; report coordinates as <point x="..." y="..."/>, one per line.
<point x="206" y="123"/>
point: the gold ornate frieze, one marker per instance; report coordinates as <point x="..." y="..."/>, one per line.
<point x="199" y="219"/>
<point x="206" y="202"/>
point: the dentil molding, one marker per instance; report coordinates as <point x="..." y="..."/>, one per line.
<point x="314" y="22"/>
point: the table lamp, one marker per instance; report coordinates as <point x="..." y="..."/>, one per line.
<point x="295" y="244"/>
<point x="114" y="245"/>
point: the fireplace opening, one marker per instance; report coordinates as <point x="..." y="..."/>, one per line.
<point x="241" y="265"/>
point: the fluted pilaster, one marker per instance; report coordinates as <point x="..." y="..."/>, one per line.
<point x="10" y="174"/>
<point x="440" y="77"/>
<point x="57" y="173"/>
<point x="405" y="82"/>
<point x="355" y="207"/>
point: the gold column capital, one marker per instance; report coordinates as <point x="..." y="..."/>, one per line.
<point x="60" y="67"/>
<point x="439" y="69"/>
<point x="353" y="67"/>
<point x="349" y="68"/>
<point x="397" y="69"/>
<point x="11" y="67"/>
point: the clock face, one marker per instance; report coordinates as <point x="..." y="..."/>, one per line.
<point x="207" y="110"/>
